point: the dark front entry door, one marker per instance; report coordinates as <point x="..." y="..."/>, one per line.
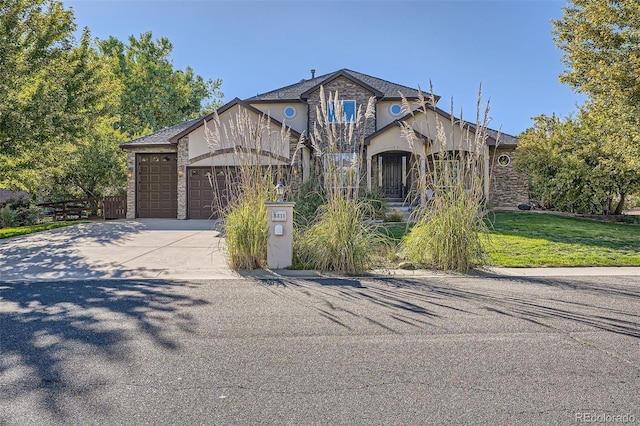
<point x="392" y="176"/>
<point x="157" y="186"/>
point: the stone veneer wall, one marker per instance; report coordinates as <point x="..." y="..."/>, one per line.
<point x="508" y="187"/>
<point x="347" y="90"/>
<point x="131" y="169"/>
<point x="183" y="162"/>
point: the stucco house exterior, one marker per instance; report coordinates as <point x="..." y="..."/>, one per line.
<point x="169" y="172"/>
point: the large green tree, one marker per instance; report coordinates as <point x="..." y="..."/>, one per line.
<point x="54" y="95"/>
<point x="601" y="44"/>
<point x="156" y="95"/>
<point x="589" y="162"/>
<point x="66" y="104"/>
<point x="586" y="164"/>
<point x="35" y="39"/>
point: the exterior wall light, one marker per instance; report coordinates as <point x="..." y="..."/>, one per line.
<point x="280" y="191"/>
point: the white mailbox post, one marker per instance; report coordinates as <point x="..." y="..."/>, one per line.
<point x="280" y="242"/>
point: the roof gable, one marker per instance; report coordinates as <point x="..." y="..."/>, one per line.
<point x="494" y="137"/>
<point x="221" y="110"/>
<point x="382" y="89"/>
<point x="342" y="73"/>
<point x="161" y="137"/>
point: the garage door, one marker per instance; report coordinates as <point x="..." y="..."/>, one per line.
<point x="201" y="184"/>
<point x="157" y="186"/>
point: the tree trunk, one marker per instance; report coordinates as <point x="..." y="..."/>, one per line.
<point x="620" y="205"/>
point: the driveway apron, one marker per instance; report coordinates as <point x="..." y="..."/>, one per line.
<point x="144" y="248"/>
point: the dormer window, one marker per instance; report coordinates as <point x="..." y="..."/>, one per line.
<point x="348" y="112"/>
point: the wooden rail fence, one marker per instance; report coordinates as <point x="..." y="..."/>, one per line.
<point x="87" y="208"/>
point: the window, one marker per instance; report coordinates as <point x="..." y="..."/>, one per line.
<point x="341" y="170"/>
<point x="447" y="173"/>
<point x="289" y="112"/>
<point x="347" y="111"/>
<point x="504" y="160"/>
<point x="395" y="109"/>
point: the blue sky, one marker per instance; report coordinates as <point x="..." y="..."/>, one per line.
<point x="258" y="46"/>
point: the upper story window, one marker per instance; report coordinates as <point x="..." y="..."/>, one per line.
<point x="341" y="169"/>
<point x="289" y="111"/>
<point x="348" y="113"/>
<point x="395" y="109"/>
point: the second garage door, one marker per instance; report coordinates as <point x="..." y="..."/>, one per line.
<point x="201" y="184"/>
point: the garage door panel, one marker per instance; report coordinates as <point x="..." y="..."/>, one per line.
<point x="201" y="203"/>
<point x="157" y="190"/>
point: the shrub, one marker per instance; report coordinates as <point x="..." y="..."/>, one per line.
<point x="340" y="240"/>
<point x="19" y="212"/>
<point x="394" y="216"/>
<point x="445" y="235"/>
<point x="249" y="185"/>
<point x="308" y="199"/>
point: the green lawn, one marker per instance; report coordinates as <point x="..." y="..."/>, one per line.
<point x="22" y="230"/>
<point x="534" y="239"/>
<point x="526" y="239"/>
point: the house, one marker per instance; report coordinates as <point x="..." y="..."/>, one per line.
<point x="169" y="172"/>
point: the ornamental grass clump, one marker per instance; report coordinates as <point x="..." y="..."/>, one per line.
<point x="245" y="227"/>
<point x="338" y="238"/>
<point x="446" y="234"/>
<point x="241" y="191"/>
<point x="450" y="224"/>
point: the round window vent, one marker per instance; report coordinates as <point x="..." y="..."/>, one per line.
<point x="504" y="160"/>
<point x="289" y="112"/>
<point x="395" y="109"/>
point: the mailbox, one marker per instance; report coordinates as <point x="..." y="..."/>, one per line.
<point x="280" y="242"/>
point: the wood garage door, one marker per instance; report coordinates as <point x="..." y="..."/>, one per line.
<point x="201" y="185"/>
<point x="157" y="186"/>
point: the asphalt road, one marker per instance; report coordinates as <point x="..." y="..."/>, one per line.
<point x="276" y="350"/>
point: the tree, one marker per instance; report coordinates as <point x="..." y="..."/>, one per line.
<point x="98" y="167"/>
<point x="54" y="94"/>
<point x="155" y="95"/>
<point x="601" y="44"/>
<point x="614" y="129"/>
<point x="35" y="36"/>
<point x="582" y="164"/>
<point x="66" y="104"/>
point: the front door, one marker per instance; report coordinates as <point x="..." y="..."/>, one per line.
<point x="392" y="176"/>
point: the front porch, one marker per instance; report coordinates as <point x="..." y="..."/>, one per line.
<point x="391" y="174"/>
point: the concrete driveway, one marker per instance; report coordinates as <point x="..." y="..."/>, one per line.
<point x="143" y="248"/>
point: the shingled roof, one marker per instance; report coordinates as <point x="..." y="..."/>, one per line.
<point x="385" y="89"/>
<point x="161" y="137"/>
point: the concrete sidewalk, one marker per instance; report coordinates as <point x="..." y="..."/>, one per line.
<point x="176" y="249"/>
<point x="143" y="248"/>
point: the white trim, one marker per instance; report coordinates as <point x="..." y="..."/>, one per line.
<point x="342" y="101"/>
